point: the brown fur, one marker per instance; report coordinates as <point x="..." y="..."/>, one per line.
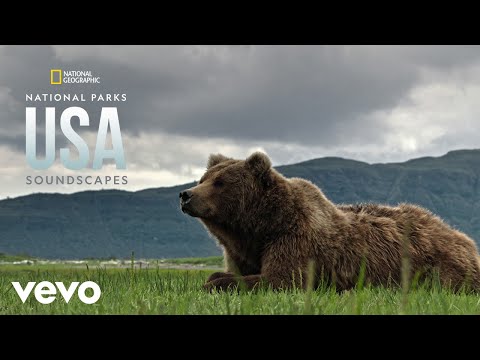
<point x="272" y="228"/>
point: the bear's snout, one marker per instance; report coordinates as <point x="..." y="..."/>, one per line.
<point x="185" y="196"/>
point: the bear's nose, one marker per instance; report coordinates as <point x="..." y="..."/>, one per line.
<point x="185" y="195"/>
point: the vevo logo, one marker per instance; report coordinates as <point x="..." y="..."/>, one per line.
<point x="45" y="291"/>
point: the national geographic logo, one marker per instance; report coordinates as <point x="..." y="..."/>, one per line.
<point x="59" y="77"/>
<point x="55" y="77"/>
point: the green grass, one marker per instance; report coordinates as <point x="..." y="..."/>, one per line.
<point x="19" y="257"/>
<point x="216" y="261"/>
<point x="159" y="291"/>
<point x="208" y="261"/>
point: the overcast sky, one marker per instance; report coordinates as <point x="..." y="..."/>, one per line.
<point x="369" y="103"/>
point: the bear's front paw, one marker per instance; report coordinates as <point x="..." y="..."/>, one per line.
<point x="218" y="275"/>
<point x="221" y="284"/>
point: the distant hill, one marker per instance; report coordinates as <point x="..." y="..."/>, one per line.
<point x="115" y="223"/>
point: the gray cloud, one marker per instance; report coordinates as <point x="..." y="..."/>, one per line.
<point x="318" y="95"/>
<point x="363" y="101"/>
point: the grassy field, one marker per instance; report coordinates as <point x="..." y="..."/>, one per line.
<point x="208" y="261"/>
<point x="160" y="291"/>
<point x="7" y="257"/>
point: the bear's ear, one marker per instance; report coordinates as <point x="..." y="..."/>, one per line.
<point x="215" y="159"/>
<point x="258" y="163"/>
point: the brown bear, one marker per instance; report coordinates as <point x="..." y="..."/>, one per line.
<point x="277" y="231"/>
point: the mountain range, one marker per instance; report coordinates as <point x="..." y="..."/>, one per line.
<point x="113" y="223"/>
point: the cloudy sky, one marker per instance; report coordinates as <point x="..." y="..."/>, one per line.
<point x="369" y="103"/>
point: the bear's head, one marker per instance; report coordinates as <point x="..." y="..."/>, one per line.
<point x="229" y="188"/>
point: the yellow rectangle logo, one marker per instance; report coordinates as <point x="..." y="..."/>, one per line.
<point x="53" y="77"/>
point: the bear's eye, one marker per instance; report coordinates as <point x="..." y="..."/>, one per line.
<point x="218" y="183"/>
